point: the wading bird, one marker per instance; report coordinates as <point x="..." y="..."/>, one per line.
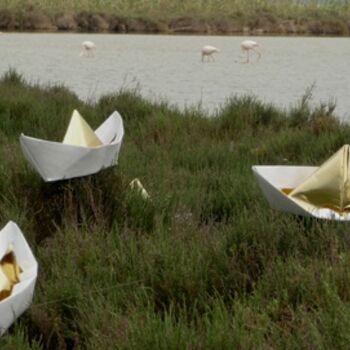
<point x="207" y="51"/>
<point x="250" y="45"/>
<point x="88" y="49"/>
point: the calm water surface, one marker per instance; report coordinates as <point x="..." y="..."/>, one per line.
<point x="169" y="67"/>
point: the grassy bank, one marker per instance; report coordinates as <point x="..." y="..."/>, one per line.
<point x="166" y="16"/>
<point x="206" y="264"/>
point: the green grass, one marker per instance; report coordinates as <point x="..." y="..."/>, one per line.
<point x="206" y="264"/>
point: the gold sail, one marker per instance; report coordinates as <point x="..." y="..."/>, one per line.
<point x="328" y="186"/>
<point x="9" y="274"/>
<point x="79" y="133"/>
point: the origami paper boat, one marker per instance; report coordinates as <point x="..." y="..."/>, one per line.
<point x="322" y="192"/>
<point x="82" y="152"/>
<point x="21" y="294"/>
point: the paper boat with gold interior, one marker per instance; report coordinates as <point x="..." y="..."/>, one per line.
<point x="82" y="152"/>
<point x="322" y="192"/>
<point x="18" y="273"/>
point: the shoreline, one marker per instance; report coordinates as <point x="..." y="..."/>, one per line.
<point x="36" y="20"/>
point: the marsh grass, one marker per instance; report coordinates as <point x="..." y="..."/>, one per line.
<point x="252" y="9"/>
<point x="205" y="264"/>
<point x="317" y="17"/>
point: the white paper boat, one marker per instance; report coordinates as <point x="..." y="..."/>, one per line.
<point x="22" y="293"/>
<point x="272" y="179"/>
<point x="60" y="160"/>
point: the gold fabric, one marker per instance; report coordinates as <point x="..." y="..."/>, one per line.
<point x="9" y="274"/>
<point x="79" y="133"/>
<point x="328" y="186"/>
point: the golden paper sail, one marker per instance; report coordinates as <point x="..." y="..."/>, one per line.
<point x="79" y="133"/>
<point x="328" y="186"/>
<point x="9" y="274"/>
<point x="5" y="286"/>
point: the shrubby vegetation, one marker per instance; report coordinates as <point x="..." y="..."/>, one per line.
<point x="314" y="17"/>
<point x="206" y="264"/>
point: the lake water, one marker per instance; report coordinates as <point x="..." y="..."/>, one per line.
<point x="169" y="67"/>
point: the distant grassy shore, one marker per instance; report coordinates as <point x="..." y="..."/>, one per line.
<point x="206" y="264"/>
<point x="256" y="17"/>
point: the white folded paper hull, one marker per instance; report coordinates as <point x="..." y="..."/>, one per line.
<point x="272" y="179"/>
<point x="22" y="294"/>
<point x="57" y="161"/>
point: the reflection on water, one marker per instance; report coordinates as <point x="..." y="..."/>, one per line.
<point x="170" y="67"/>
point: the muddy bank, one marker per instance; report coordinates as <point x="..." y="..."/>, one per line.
<point x="37" y="20"/>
